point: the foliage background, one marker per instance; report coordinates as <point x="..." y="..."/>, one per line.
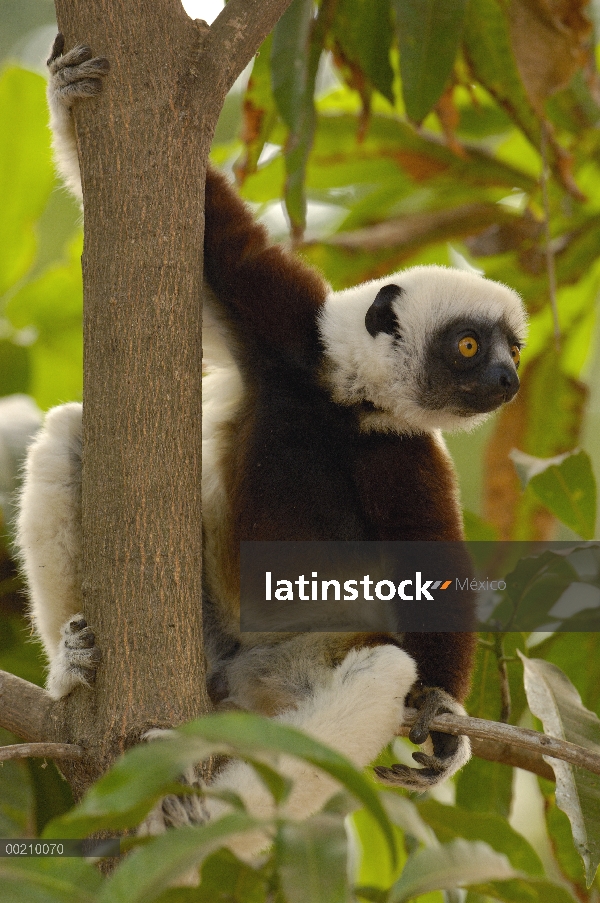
<point x="397" y="132"/>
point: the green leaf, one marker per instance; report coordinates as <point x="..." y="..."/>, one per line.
<point x="259" y="112"/>
<point x="48" y="881"/>
<point x="52" y="793"/>
<point x="26" y="171"/>
<point x="225" y="878"/>
<point x="429" y="35"/>
<point x="51" y="307"/>
<point x="152" y="868"/>
<point x="478" y="530"/>
<point x="123" y="796"/>
<point x="375" y="868"/>
<point x="15" y="368"/>
<point x="294" y="62"/>
<point x="404" y="813"/>
<point x="489" y="52"/>
<point x="289" y="57"/>
<point x="363" y="30"/>
<point x="484" y="787"/>
<point x="533" y="587"/>
<point x="249" y="734"/>
<point x="579" y="654"/>
<point x="311" y="859"/>
<point x="555" y="701"/>
<point x="450" y="822"/>
<point x="565" y="485"/>
<point x="526" y="890"/>
<point x="16" y="793"/>
<point x="456" y="864"/>
<point x="561" y="838"/>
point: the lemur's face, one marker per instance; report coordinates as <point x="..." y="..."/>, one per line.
<point x="470" y="367"/>
<point x="430" y="348"/>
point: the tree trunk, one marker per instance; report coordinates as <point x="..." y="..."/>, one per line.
<point x="143" y="148"/>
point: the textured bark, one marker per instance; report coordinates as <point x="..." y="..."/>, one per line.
<point x="24" y="708"/>
<point x="143" y="148"/>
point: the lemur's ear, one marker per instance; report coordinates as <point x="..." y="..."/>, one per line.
<point x="380" y="316"/>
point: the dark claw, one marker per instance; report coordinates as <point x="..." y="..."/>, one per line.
<point x="90" y="675"/>
<point x="81" y="53"/>
<point x="101" y="64"/>
<point x="418" y="779"/>
<point x="96" y="656"/>
<point x="80" y="624"/>
<point x="429" y="702"/>
<point x="57" y="48"/>
<point x="87" y="640"/>
<point x="431" y="762"/>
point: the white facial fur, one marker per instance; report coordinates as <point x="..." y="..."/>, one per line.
<point x="383" y="370"/>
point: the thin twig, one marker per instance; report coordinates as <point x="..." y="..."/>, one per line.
<point x="504" y="683"/>
<point x="550" y="264"/>
<point x="515" y="736"/>
<point x="40" y="751"/>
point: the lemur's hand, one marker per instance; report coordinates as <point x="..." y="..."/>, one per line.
<point x="77" y="659"/>
<point x="449" y="752"/>
<point x="75" y="75"/>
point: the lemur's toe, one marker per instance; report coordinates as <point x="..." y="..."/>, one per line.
<point x="81" y="654"/>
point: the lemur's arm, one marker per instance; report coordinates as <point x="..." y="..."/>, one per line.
<point x="259" y="288"/>
<point x="262" y="289"/>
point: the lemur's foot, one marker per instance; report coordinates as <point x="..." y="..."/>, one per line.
<point x="449" y="752"/>
<point x="175" y="811"/>
<point x="77" y="74"/>
<point x="77" y="659"/>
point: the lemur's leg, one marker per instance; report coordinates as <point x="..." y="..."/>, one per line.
<point x="270" y="678"/>
<point x="356" y="710"/>
<point x="49" y="543"/>
<point x="72" y="77"/>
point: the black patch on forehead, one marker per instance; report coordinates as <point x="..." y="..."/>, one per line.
<point x="380" y="317"/>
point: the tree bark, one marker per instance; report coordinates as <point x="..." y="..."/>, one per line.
<point x="143" y="148"/>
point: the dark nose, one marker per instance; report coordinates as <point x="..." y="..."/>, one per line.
<point x="504" y="378"/>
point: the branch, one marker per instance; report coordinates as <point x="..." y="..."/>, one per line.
<point x="418" y="227"/>
<point x="24" y="708"/>
<point x="513" y="756"/>
<point x="40" y="750"/>
<point x="515" y="737"/>
<point x="239" y="30"/>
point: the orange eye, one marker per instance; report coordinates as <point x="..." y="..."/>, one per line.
<point x="515" y="353"/>
<point x="468" y="346"/>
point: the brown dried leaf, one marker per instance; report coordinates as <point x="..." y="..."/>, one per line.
<point x="356" y="79"/>
<point x="550" y="41"/>
<point x="449" y="116"/>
